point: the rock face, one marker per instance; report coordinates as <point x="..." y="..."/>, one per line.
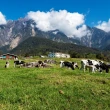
<point x="98" y="39"/>
<point x="14" y="43"/>
<point x="15" y="32"/>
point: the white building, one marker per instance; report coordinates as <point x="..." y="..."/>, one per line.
<point x="62" y="55"/>
<point x="58" y="55"/>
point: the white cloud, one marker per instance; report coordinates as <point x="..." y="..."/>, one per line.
<point x="2" y="19"/>
<point x="71" y="24"/>
<point x="104" y="25"/>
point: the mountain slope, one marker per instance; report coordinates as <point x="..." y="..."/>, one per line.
<point x="38" y="45"/>
<point x="98" y="38"/>
<point x="107" y="48"/>
<point x="15" y="32"/>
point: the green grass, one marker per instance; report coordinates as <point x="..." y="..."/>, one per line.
<point x="53" y="89"/>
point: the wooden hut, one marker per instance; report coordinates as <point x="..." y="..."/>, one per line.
<point x="8" y="56"/>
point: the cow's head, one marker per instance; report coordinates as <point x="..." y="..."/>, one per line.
<point x="75" y="65"/>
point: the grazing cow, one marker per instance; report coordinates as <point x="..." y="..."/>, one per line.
<point x="31" y="64"/>
<point x="50" y="61"/>
<point x="75" y="65"/>
<point x="67" y="64"/>
<point x="36" y="64"/>
<point x="40" y="63"/>
<point x="19" y="62"/>
<point x="104" y="66"/>
<point x="43" y="64"/>
<point x="7" y="64"/>
<point x="93" y="65"/>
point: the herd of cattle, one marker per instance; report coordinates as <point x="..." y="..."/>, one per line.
<point x="93" y="65"/>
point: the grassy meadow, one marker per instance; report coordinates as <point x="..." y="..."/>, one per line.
<point x="53" y="88"/>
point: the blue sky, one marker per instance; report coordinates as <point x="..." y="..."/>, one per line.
<point x="95" y="10"/>
<point x="73" y="14"/>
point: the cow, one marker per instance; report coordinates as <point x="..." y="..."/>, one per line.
<point x="66" y="64"/>
<point x="75" y="65"/>
<point x="43" y="64"/>
<point x="7" y="64"/>
<point x="36" y="64"/>
<point x="40" y="63"/>
<point x="104" y="66"/>
<point x="50" y="61"/>
<point x="71" y="65"/>
<point x="93" y="65"/>
<point x="31" y="64"/>
<point x="19" y="62"/>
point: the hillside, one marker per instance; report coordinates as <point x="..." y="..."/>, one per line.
<point x="15" y="32"/>
<point x="98" y="38"/>
<point x="37" y="46"/>
<point x="107" y="48"/>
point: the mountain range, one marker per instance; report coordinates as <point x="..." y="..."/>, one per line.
<point x="15" y="33"/>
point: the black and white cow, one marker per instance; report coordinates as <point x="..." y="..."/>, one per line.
<point x="43" y="64"/>
<point x="71" y="65"/>
<point x="36" y="64"/>
<point x="75" y="65"/>
<point x="50" y="61"/>
<point x="31" y="64"/>
<point x="19" y="62"/>
<point x="104" y="66"/>
<point x="7" y="64"/>
<point x="66" y="64"/>
<point x="93" y="65"/>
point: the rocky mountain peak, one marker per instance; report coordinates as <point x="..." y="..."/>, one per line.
<point x="15" y="32"/>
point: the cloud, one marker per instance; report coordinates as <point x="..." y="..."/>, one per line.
<point x="104" y="25"/>
<point x="2" y="19"/>
<point x="71" y="24"/>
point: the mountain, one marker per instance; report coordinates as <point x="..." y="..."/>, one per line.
<point x="15" y="32"/>
<point x="107" y="48"/>
<point x="98" y="39"/>
<point x="38" y="46"/>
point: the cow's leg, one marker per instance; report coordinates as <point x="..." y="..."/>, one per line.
<point x="90" y="69"/>
<point x="61" y="64"/>
<point x="93" y="69"/>
<point x="84" y="67"/>
<point x="107" y="70"/>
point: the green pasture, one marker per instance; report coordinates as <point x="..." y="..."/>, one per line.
<point x="53" y="88"/>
